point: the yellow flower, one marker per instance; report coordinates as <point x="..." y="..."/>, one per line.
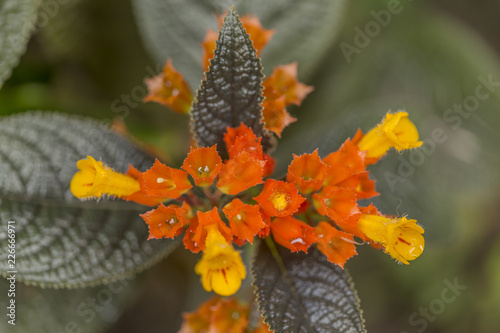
<point x="221" y="267"/>
<point x="396" y="130"/>
<point x="95" y="179"/>
<point x="401" y="238"/>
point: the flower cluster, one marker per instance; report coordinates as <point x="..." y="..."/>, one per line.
<point x="214" y="203"/>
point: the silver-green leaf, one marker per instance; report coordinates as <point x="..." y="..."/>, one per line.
<point x="304" y="292"/>
<point x="59" y="240"/>
<point x="17" y="23"/>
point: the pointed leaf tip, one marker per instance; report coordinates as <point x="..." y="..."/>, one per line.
<point x="231" y="92"/>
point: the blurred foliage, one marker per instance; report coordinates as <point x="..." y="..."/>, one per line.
<point x="89" y="59"/>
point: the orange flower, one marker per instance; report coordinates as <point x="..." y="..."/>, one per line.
<point x="292" y="233"/>
<point x="203" y="164"/>
<point x="279" y="198"/>
<point x="170" y="89"/>
<point x="216" y="315"/>
<point x="163" y="181"/>
<point x="338" y="246"/>
<point x="240" y="173"/>
<point x="245" y="220"/>
<point x="344" y="163"/>
<point x="140" y="196"/>
<point x="206" y="221"/>
<point x="168" y="221"/>
<point x="229" y="316"/>
<point x="199" y="320"/>
<point x="307" y="172"/>
<point x="241" y="139"/>
<point x="337" y="203"/>
<point x="283" y="82"/>
<point x="208" y="47"/>
<point x="276" y="118"/>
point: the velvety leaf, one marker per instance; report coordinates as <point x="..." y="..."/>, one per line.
<point x="17" y="22"/>
<point x="61" y="241"/>
<point x="231" y="93"/>
<point x="304" y="292"/>
<point x="83" y="310"/>
<point x="174" y="29"/>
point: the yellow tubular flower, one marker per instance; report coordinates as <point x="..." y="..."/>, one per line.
<point x="401" y="238"/>
<point x="221" y="267"/>
<point x="95" y="179"/>
<point x="396" y="130"/>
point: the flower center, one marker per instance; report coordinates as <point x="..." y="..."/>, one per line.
<point x="279" y="201"/>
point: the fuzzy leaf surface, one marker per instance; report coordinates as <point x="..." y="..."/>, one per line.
<point x="59" y="240"/>
<point x="231" y="93"/>
<point x="17" y="23"/>
<point x="304" y="292"/>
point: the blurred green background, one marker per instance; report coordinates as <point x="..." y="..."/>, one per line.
<point x="91" y="57"/>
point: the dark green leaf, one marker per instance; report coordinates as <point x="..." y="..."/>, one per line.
<point x="174" y="29"/>
<point x="231" y="92"/>
<point x="61" y="241"/>
<point x="17" y="22"/>
<point x="303" y="292"/>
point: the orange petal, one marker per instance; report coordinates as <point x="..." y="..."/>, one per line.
<point x="338" y="246"/>
<point x="200" y="319"/>
<point x="206" y="220"/>
<point x="208" y="46"/>
<point x="292" y="233"/>
<point x="168" y="221"/>
<point x="279" y="198"/>
<point x="241" y="139"/>
<point x="337" y="203"/>
<point x="258" y="35"/>
<point x="344" y="163"/>
<point x="203" y="164"/>
<point x="307" y="172"/>
<point x="276" y="118"/>
<point x="240" y="173"/>
<point x="283" y="82"/>
<point x="141" y="197"/>
<point x="229" y="316"/>
<point x="245" y="220"/>
<point x="163" y="181"/>
<point x="170" y="89"/>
